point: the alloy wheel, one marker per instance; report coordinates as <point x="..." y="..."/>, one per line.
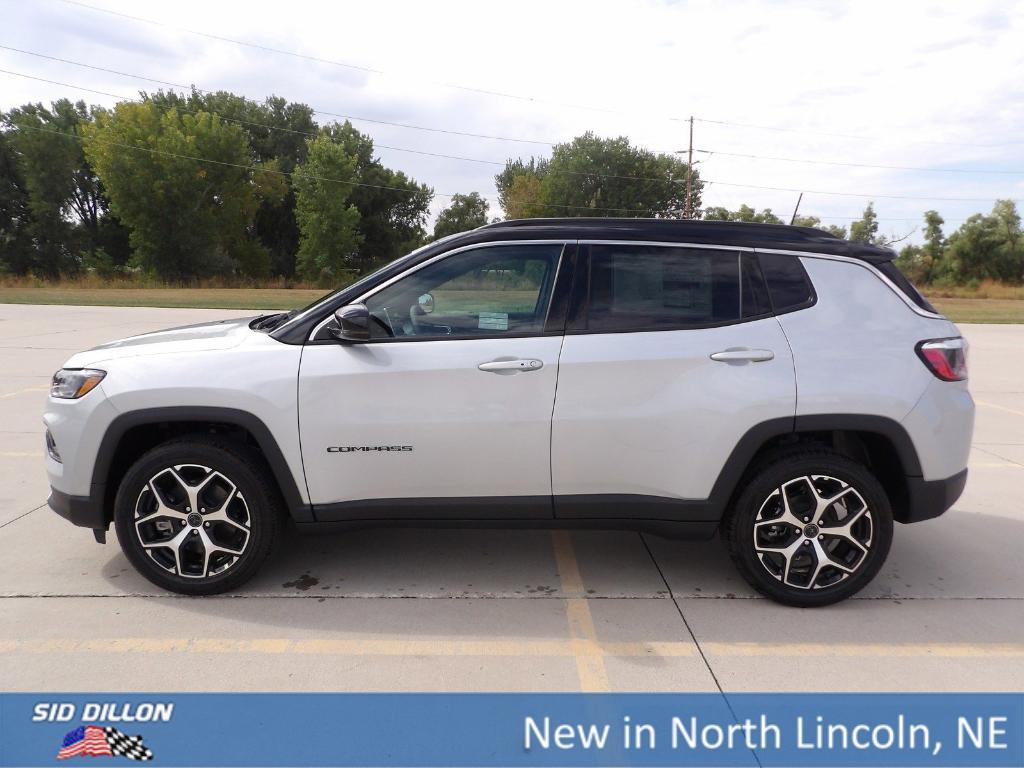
<point x="192" y="521"/>
<point x="813" y="532"/>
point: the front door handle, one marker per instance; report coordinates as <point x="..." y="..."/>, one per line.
<point x="511" y="366"/>
<point x="743" y="355"/>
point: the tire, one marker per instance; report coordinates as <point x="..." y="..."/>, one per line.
<point x="213" y="549"/>
<point x="834" y="553"/>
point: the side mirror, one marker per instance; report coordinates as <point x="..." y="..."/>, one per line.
<point x="426" y="303"/>
<point x="353" y="323"/>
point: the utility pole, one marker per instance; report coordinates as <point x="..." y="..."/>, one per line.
<point x="796" y="209"/>
<point x="689" y="175"/>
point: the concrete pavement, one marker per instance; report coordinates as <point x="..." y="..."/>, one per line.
<point x="500" y="610"/>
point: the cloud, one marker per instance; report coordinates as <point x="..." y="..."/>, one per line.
<point x="903" y="76"/>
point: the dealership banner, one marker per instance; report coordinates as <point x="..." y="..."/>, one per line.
<point x="543" y="730"/>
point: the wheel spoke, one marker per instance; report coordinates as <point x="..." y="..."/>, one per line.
<point x="212" y="546"/>
<point x="214" y="531"/>
<point x="221" y="516"/>
<point x="824" y="559"/>
<point x="792" y="545"/>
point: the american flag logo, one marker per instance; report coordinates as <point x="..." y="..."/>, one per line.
<point x="96" y="741"/>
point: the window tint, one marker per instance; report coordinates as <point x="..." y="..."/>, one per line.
<point x="754" y="293"/>
<point x="902" y="282"/>
<point x="636" y="288"/>
<point x="788" y="284"/>
<point x="489" y="291"/>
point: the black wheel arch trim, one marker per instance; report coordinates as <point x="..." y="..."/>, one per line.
<point x="234" y="417"/>
<point x="926" y="499"/>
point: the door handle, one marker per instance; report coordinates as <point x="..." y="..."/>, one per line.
<point x="743" y="355"/>
<point x="511" y="366"/>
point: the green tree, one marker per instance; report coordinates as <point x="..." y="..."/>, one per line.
<point x="1010" y="260"/>
<point x="328" y="221"/>
<point x="592" y="176"/>
<point x="815" y="223"/>
<point x="934" y="250"/>
<point x="392" y="207"/>
<point x="69" y="207"/>
<point x="988" y="246"/>
<point x="973" y="249"/>
<point x="924" y="263"/>
<point x="16" y="250"/>
<point x="745" y="214"/>
<point x="277" y="131"/>
<point x="189" y="218"/>
<point x="865" y="230"/>
<point x="465" y="212"/>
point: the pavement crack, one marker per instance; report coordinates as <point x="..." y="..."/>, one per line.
<point x="25" y="514"/>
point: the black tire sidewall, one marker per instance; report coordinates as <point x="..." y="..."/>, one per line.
<point x="235" y="463"/>
<point x="739" y="532"/>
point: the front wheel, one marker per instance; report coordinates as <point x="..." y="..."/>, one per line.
<point x="197" y="515"/>
<point x="810" y="528"/>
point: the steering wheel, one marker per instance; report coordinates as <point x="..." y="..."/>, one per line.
<point x="386" y="327"/>
<point x="416" y="315"/>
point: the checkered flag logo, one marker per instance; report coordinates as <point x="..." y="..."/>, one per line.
<point x="96" y="741"/>
<point x="127" y="746"/>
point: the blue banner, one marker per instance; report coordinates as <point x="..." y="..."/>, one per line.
<point x="538" y="730"/>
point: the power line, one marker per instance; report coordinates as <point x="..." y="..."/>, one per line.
<point x="184" y="87"/>
<point x="475" y="135"/>
<point x="345" y="65"/>
<point x="855" y="136"/>
<point x="260" y="169"/>
<point x="704" y="181"/>
<point x="508" y="95"/>
<point x="858" y="165"/>
<point x="313" y="134"/>
<point x="865" y="195"/>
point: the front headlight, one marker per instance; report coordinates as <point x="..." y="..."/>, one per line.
<point x="73" y="383"/>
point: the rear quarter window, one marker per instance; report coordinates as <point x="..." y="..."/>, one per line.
<point x="901" y="281"/>
<point x="789" y="287"/>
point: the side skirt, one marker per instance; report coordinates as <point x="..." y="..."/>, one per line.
<point x="693" y="531"/>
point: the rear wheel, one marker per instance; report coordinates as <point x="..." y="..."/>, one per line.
<point x="811" y="528"/>
<point x="197" y="515"/>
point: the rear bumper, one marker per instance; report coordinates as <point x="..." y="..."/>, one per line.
<point x="86" y="511"/>
<point x="930" y="498"/>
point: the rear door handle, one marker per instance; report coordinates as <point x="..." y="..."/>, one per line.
<point x="511" y="366"/>
<point x="744" y="355"/>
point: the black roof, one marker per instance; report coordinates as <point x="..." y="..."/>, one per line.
<point x="778" y="236"/>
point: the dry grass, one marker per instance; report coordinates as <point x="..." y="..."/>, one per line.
<point x="987" y="289"/>
<point x="987" y="303"/>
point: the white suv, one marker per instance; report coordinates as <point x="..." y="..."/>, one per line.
<point x="782" y="385"/>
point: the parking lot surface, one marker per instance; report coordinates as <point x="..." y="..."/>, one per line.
<point x="400" y="610"/>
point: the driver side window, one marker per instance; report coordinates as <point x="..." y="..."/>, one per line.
<point x="489" y="291"/>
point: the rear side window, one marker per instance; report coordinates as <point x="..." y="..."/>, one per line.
<point x="901" y="281"/>
<point x="788" y="284"/>
<point x="649" y="288"/>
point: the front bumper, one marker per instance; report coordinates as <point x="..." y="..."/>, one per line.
<point x="86" y="511"/>
<point x="930" y="498"/>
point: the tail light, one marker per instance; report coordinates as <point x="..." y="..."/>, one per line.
<point x="946" y="358"/>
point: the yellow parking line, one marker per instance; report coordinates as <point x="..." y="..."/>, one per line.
<point x="999" y="407"/>
<point x="996" y="465"/>
<point x="20" y="454"/>
<point x="589" y="658"/>
<point x="565" y="560"/>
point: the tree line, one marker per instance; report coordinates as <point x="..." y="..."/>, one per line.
<point x="197" y="186"/>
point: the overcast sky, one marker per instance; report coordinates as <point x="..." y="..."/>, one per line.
<point x="930" y="86"/>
